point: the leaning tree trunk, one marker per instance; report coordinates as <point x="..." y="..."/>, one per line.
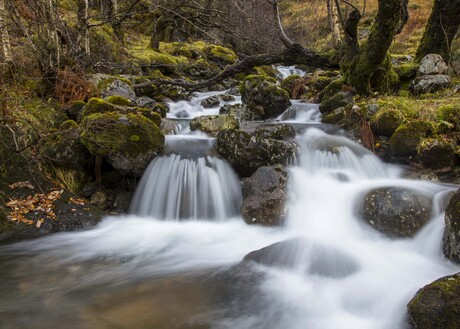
<point x="359" y="68"/>
<point x="4" y="36"/>
<point x="440" y="30"/>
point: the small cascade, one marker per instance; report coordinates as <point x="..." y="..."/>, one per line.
<point x="301" y="112"/>
<point x="187" y="182"/>
<point x="286" y="71"/>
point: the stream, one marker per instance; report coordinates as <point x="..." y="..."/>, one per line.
<point x="168" y="264"/>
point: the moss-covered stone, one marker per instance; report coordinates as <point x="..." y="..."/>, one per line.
<point x="406" y="71"/>
<point x="74" y="109"/>
<point x="404" y="142"/>
<point x="118" y="100"/>
<point x="386" y="121"/>
<point x="214" y="123"/>
<point x="275" y="131"/>
<point x="221" y="54"/>
<point x="450" y="114"/>
<point x="437" y="305"/>
<point x="336" y="116"/>
<point x="290" y="82"/>
<point x="267" y="70"/>
<point x="340" y="99"/>
<point x="331" y="89"/>
<point x="127" y="141"/>
<point x="436" y="153"/>
<point x="263" y="97"/>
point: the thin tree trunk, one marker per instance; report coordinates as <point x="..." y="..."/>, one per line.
<point x="5" y="38"/>
<point x="334" y="23"/>
<point x="440" y="30"/>
<point x="83" y="30"/>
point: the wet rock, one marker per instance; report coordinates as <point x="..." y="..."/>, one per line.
<point x="336" y="116"/>
<point x="436" y="154"/>
<point x="451" y="240"/>
<point x="429" y="84"/>
<point x="128" y="142"/>
<point x="64" y="148"/>
<point x="169" y="127"/>
<point x="437" y="305"/>
<point x="386" y="121"/>
<point x="403" y="143"/>
<point x="75" y="109"/>
<point x="183" y="114"/>
<point x="240" y="111"/>
<point x="263" y="97"/>
<point x="314" y="258"/>
<point x="214" y="123"/>
<point x="151" y="104"/>
<point x="395" y="211"/>
<point x="340" y="99"/>
<point x="246" y="152"/>
<point x="264" y="196"/>
<point x="209" y="102"/>
<point x="279" y="131"/>
<point x="432" y="64"/>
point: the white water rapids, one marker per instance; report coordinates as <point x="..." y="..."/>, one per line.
<point x="134" y="271"/>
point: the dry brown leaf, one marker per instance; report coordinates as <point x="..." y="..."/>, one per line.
<point x="25" y="184"/>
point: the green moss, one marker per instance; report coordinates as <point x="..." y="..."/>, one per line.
<point x="406" y="71"/>
<point x="404" y="141"/>
<point x="134" y="138"/>
<point x="290" y="82"/>
<point x="98" y="105"/>
<point x="450" y="114"/>
<point x="386" y="121"/>
<point x="221" y="54"/>
<point x="118" y="100"/>
<point x="266" y="70"/>
<point x="251" y="82"/>
<point x="161" y="109"/>
<point x="333" y="88"/>
<point x="105" y="83"/>
<point x="69" y="124"/>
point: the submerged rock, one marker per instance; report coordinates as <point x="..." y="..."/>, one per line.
<point x="246" y="152"/>
<point x="451" y="240"/>
<point x="264" y="196"/>
<point x="264" y="97"/>
<point x="128" y="142"/>
<point x="437" y="305"/>
<point x="396" y="211"/>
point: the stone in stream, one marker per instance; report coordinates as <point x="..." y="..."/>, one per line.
<point x="264" y="97"/>
<point x="214" y="123"/>
<point x="209" y="102"/>
<point x="395" y="211"/>
<point x="246" y="152"/>
<point x="437" y="305"/>
<point x="451" y="240"/>
<point x="264" y="196"/>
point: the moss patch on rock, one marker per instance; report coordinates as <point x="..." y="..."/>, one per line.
<point x="404" y="142"/>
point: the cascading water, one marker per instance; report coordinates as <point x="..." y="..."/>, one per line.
<point x="148" y="271"/>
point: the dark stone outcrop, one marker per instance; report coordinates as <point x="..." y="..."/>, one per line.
<point x="264" y="196"/>
<point x="396" y="212"/>
<point x="451" y="241"/>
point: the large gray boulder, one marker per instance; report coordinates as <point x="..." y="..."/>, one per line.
<point x="395" y="211"/>
<point x="432" y="64"/>
<point x="264" y="196"/>
<point x="451" y="241"/>
<point x="429" y="84"/>
<point x="246" y="152"/>
<point x="437" y="305"/>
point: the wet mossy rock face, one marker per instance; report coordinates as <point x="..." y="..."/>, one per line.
<point x="437" y="154"/>
<point x="64" y="149"/>
<point x="437" y="305"/>
<point x="212" y="124"/>
<point x="127" y="141"/>
<point x="451" y="240"/>
<point x="246" y="152"/>
<point x="404" y="142"/>
<point x="264" y="97"/>
<point x="340" y="99"/>
<point x="386" y="121"/>
<point x="396" y="212"/>
<point x="264" y="196"/>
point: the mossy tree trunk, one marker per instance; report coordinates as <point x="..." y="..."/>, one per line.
<point x="360" y="63"/>
<point x="440" y="30"/>
<point x="5" y="38"/>
<point x="83" y="27"/>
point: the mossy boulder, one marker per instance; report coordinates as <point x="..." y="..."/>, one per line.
<point x="127" y="141"/>
<point x="118" y="100"/>
<point x="396" y="212"/>
<point x="336" y="116"/>
<point x="212" y="124"/>
<point x="265" y="195"/>
<point x="290" y="82"/>
<point x="331" y="89"/>
<point x="116" y="86"/>
<point x="74" y="110"/>
<point x="340" y="99"/>
<point x="403" y="143"/>
<point x="64" y="149"/>
<point x="451" y="240"/>
<point x="275" y="131"/>
<point x="437" y="305"/>
<point x="429" y="84"/>
<point x="246" y="152"/>
<point x="221" y="54"/>
<point x="264" y="97"/>
<point x="240" y="111"/>
<point x="451" y="114"/>
<point x="406" y="71"/>
<point x="386" y="121"/>
<point x="436" y="153"/>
